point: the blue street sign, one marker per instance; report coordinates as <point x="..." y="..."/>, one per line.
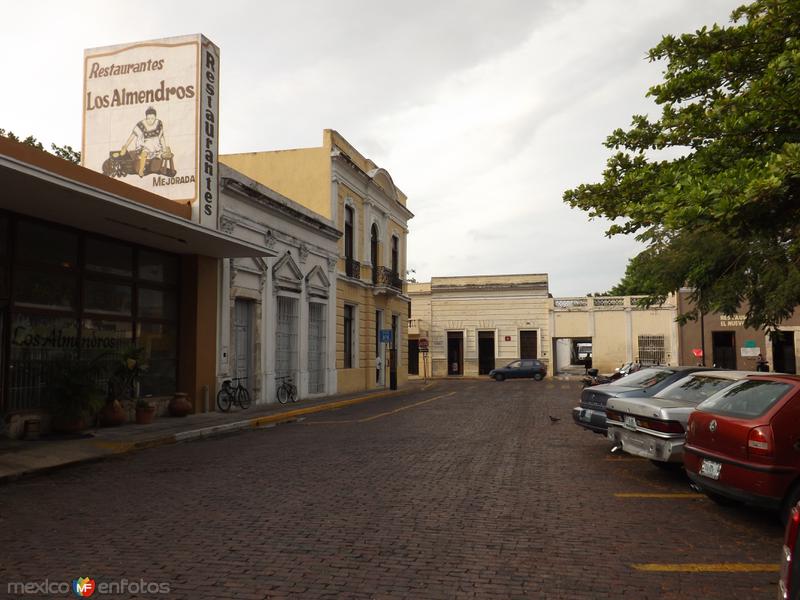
<point x="386" y="336"/>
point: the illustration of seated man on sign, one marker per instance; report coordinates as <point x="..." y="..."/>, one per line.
<point x="150" y="155"/>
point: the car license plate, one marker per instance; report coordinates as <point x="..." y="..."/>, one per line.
<point x="585" y="416"/>
<point x="710" y="469"/>
<point x="630" y="423"/>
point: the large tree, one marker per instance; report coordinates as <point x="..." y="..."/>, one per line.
<point x="713" y="185"/>
<point x="65" y="152"/>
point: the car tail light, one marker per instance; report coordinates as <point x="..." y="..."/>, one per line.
<point x="662" y="426"/>
<point x="613" y="415"/>
<point x="759" y="441"/>
<point x="789" y="547"/>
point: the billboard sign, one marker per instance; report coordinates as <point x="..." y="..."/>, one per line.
<point x="151" y="119"/>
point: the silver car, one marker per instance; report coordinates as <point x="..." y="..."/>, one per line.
<point x="655" y="427"/>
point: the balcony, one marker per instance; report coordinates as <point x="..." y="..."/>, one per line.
<point x="383" y="277"/>
<point x="352" y="268"/>
<point x="413" y="327"/>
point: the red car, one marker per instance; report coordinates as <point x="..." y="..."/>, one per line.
<point x="789" y="582"/>
<point x="743" y="444"/>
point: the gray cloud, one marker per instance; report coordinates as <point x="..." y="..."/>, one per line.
<point x="484" y="113"/>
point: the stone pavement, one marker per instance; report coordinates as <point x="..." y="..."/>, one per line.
<point x="465" y="489"/>
<point x="19" y="458"/>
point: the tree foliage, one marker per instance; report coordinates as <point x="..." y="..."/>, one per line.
<point x="723" y="216"/>
<point x="65" y="152"/>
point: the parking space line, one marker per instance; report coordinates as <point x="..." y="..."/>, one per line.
<point x="666" y="496"/>
<point x="397" y="410"/>
<point x="709" y="567"/>
<point x="378" y="416"/>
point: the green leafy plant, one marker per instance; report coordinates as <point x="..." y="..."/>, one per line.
<point x="141" y="403"/>
<point x="127" y="373"/>
<point x="73" y="391"/>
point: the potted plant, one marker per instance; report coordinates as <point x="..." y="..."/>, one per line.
<point x="123" y="385"/>
<point x="144" y="412"/>
<point x="73" y="395"/>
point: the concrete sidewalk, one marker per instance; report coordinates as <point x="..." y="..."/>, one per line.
<point x="19" y="458"/>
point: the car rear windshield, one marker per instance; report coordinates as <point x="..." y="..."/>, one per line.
<point x="644" y="378"/>
<point x="746" y="399"/>
<point x="695" y="388"/>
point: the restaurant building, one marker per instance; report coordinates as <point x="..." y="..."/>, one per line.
<point x="90" y="266"/>
<point x="724" y="341"/>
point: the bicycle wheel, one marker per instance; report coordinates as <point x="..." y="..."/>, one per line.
<point x="243" y="397"/>
<point x="282" y="395"/>
<point x="224" y="399"/>
<point x="292" y="393"/>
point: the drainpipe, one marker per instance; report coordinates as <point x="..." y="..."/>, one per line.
<point x="703" y="337"/>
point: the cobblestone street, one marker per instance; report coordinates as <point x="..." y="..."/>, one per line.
<point x="464" y="489"/>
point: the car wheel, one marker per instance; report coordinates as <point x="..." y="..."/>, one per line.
<point x="538" y="376"/>
<point x="792" y="497"/>
<point x="499" y="377"/>
<point x="720" y="499"/>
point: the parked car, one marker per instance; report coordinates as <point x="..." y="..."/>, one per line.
<point x="655" y="427"/>
<point x="789" y="581"/>
<point x="743" y="444"/>
<point x="527" y="367"/>
<point x="591" y="414"/>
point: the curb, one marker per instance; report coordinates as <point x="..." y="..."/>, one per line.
<point x="114" y="448"/>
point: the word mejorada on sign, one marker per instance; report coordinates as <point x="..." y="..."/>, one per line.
<point x="151" y="119"/>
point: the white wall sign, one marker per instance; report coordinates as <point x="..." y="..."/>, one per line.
<point x="150" y="118"/>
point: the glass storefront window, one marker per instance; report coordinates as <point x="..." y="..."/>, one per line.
<point x="154" y="266"/>
<point x="82" y="297"/>
<point x="105" y="337"/>
<point x="105" y="342"/>
<point x="107" y="298"/>
<point x="39" y="289"/>
<point x="45" y="243"/>
<point x="160" y="343"/>
<point x="37" y="343"/>
<point x="109" y="257"/>
<point x="157" y="304"/>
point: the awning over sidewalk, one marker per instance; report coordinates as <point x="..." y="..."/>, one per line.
<point x="40" y="185"/>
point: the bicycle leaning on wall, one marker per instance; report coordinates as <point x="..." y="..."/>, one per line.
<point x="286" y="390"/>
<point x="230" y="394"/>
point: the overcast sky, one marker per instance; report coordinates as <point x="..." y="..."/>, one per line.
<point x="483" y="112"/>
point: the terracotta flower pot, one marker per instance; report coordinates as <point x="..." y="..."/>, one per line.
<point x="112" y="414"/>
<point x="180" y="406"/>
<point x="144" y="416"/>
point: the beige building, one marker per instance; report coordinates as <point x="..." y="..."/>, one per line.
<point x="474" y="323"/>
<point x="361" y="200"/>
<point x="614" y="330"/>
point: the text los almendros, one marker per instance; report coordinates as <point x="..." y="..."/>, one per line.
<point x="126" y="97"/>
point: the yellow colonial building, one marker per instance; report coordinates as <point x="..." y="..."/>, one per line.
<point x="337" y="182"/>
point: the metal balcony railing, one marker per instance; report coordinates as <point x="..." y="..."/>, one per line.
<point x="387" y="277"/>
<point x="352" y="268"/>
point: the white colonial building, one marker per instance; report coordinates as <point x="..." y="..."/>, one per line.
<point x="277" y="315"/>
